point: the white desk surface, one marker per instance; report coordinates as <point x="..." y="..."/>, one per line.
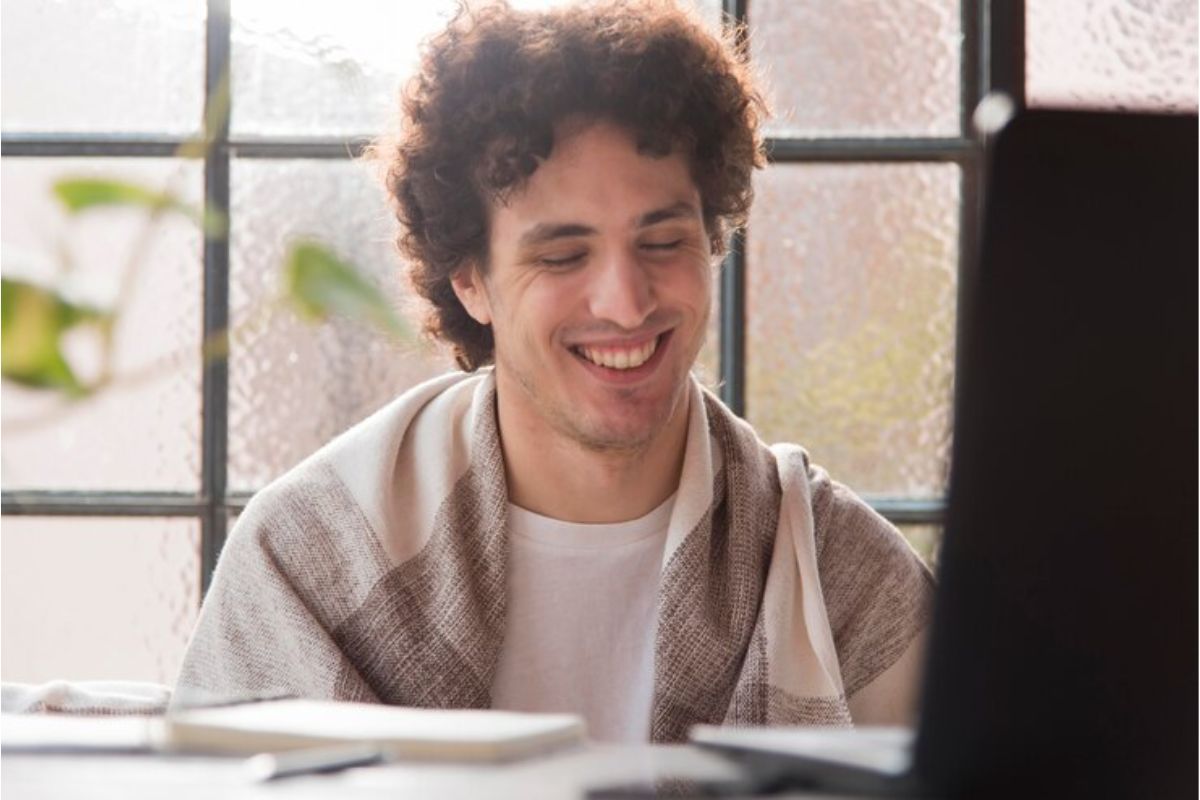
<point x="557" y="776"/>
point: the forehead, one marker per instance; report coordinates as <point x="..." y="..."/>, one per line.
<point x="595" y="175"/>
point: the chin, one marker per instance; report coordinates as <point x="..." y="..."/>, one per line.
<point x="609" y="440"/>
<point x="629" y="431"/>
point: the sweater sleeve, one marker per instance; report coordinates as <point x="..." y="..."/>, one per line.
<point x="878" y="596"/>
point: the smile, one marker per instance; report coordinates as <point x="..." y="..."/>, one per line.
<point x="629" y="360"/>
<point x="619" y="357"/>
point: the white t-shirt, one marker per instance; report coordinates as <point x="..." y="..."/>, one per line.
<point x="581" y="619"/>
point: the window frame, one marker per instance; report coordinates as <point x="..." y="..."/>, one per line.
<point x="992" y="58"/>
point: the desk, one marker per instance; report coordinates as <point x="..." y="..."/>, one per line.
<point x="559" y="776"/>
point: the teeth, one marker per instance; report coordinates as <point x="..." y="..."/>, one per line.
<point x="620" y="358"/>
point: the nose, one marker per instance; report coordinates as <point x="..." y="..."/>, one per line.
<point x="622" y="291"/>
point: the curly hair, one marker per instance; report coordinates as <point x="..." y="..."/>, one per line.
<point x="479" y="116"/>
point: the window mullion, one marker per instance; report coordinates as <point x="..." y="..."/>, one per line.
<point x="215" y="381"/>
<point x="732" y="363"/>
<point x="40" y="503"/>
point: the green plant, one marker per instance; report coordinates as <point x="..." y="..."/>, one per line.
<point x="35" y="318"/>
<point x="317" y="284"/>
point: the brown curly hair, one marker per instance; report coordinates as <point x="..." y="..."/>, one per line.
<point x="480" y="112"/>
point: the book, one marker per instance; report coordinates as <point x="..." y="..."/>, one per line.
<point x="399" y="732"/>
<point x="69" y="733"/>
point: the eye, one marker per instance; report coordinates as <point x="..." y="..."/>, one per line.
<point x="562" y="261"/>
<point x="662" y="246"/>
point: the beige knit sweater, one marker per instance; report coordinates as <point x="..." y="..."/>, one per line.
<point x="375" y="571"/>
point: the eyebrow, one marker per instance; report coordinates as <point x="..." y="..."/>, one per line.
<point x="549" y="231"/>
<point x="680" y="209"/>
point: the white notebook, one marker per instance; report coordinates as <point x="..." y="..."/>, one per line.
<point x="416" y="733"/>
<point x="70" y="733"/>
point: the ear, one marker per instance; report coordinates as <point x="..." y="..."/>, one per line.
<point x="468" y="287"/>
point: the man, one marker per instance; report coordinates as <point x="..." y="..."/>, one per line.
<point x="580" y="527"/>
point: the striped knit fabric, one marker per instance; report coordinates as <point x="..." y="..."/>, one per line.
<point x="375" y="571"/>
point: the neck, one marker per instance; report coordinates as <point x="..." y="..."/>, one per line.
<point x="550" y="474"/>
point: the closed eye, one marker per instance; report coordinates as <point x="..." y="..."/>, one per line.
<point x="662" y="245"/>
<point x="563" y="261"/>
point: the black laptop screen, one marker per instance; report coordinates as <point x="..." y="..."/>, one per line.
<point x="1065" y="637"/>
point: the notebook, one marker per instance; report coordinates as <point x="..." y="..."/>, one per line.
<point x="70" y="733"/>
<point x="1063" y="651"/>
<point x="404" y="733"/>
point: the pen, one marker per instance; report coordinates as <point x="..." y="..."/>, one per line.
<point x="269" y="766"/>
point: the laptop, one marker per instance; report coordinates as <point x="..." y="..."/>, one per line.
<point x="1063" y="652"/>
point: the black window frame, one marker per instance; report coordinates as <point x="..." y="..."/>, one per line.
<point x="992" y="58"/>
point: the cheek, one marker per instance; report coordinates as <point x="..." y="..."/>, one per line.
<point x="553" y="299"/>
<point x="540" y="312"/>
<point x="692" y="285"/>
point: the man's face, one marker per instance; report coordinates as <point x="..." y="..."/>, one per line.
<point x="598" y="290"/>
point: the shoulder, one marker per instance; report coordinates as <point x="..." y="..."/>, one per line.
<point x="295" y="506"/>
<point x="877" y="590"/>
<point x="318" y="528"/>
<point x="848" y="531"/>
<point x="302" y="543"/>
<point x="307" y="512"/>
<point x="341" y="485"/>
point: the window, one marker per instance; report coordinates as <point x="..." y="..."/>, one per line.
<point x="837" y="308"/>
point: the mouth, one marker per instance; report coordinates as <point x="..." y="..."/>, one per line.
<point x="626" y="363"/>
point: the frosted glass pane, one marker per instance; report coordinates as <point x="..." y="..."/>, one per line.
<point x="293" y="385"/>
<point x="128" y="66"/>
<point x="711" y="10"/>
<point x="312" y="69"/>
<point x="926" y="540"/>
<point x="143" y="431"/>
<point x="851" y="280"/>
<point x="89" y="598"/>
<point x="859" y="67"/>
<point x="1112" y="53"/>
<point x="334" y="69"/>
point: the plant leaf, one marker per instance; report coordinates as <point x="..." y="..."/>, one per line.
<point x="33" y="320"/>
<point x="81" y="194"/>
<point x="319" y="284"/>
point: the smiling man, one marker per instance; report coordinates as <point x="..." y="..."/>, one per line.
<point x="597" y="292"/>
<point x="570" y="523"/>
